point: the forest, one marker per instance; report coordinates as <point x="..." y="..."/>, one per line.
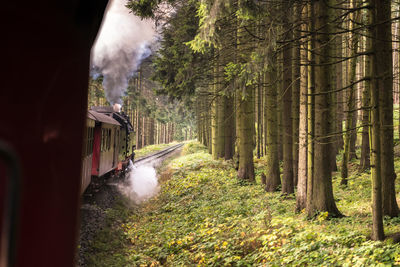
<point x="301" y="97"/>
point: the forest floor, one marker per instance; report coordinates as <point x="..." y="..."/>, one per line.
<point x="203" y="216"/>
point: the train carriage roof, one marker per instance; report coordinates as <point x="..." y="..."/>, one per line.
<point x="102" y="117"/>
<point x="122" y="118"/>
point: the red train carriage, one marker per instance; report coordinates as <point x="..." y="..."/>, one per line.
<point x="105" y="144"/>
<point x="126" y="134"/>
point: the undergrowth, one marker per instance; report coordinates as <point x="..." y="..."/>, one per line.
<point x="204" y="217"/>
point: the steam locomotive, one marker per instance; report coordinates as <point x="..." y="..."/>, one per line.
<point x="108" y="143"/>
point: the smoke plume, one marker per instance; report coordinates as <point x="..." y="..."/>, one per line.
<point x="142" y="183"/>
<point x="122" y="43"/>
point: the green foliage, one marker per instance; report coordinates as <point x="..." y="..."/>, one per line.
<point x="247" y="10"/>
<point x="147" y="8"/>
<point x="96" y="92"/>
<point x="143" y="8"/>
<point x="232" y="70"/>
<point x="193" y="147"/>
<point x="177" y="67"/>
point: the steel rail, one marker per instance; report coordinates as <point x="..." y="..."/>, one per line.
<point x="157" y="155"/>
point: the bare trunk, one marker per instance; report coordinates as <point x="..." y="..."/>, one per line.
<point x="349" y="142"/>
<point x="376" y="86"/>
<point x="366" y="102"/>
<point x="384" y="62"/>
<point x="301" y="196"/>
<point x="322" y="192"/>
<point x="246" y="131"/>
<point x="287" y="178"/>
<point x="272" y="169"/>
<point x="310" y="110"/>
<point x="296" y="92"/>
<point x="229" y="126"/>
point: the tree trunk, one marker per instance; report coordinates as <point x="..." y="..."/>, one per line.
<point x="143" y="124"/>
<point x="138" y="129"/>
<point x="353" y="136"/>
<point x="221" y="127"/>
<point x="351" y="114"/>
<point x="310" y="110"/>
<point x="376" y="86"/>
<point x="220" y="149"/>
<point x="296" y="91"/>
<point x="366" y="102"/>
<point x="151" y="131"/>
<point x="273" y="179"/>
<point x="214" y="114"/>
<point x="384" y="63"/>
<point x="205" y="120"/>
<point x="287" y="178"/>
<point x="280" y="107"/>
<point x="229" y="128"/>
<point x="246" y="133"/>
<point x="259" y="111"/>
<point x="199" y="120"/>
<point x="301" y="196"/>
<point x="322" y="192"/>
<point x="333" y="97"/>
<point x="208" y="123"/>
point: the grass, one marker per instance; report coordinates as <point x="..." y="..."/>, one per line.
<point x="204" y="216"/>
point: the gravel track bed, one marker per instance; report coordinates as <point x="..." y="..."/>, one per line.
<point x="100" y="196"/>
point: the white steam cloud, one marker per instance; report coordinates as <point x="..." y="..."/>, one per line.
<point x="123" y="42"/>
<point x="142" y="183"/>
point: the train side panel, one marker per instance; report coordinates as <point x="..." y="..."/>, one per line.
<point x="105" y="149"/>
<point x="117" y="141"/>
<point x="108" y="160"/>
<point x="87" y="154"/>
<point x="123" y="145"/>
<point x="96" y="149"/>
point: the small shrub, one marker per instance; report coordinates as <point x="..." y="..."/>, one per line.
<point x="193" y="147"/>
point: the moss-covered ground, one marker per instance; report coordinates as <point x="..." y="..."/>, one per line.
<point x="203" y="216"/>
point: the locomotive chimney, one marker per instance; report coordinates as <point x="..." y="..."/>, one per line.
<point x="117" y="107"/>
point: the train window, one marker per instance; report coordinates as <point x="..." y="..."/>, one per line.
<point x="92" y="141"/>
<point x="89" y="132"/>
<point x="117" y="139"/>
<point x="102" y="140"/>
<point x="105" y="139"/>
<point x="89" y="148"/>
<point x="109" y="139"/>
<point x="87" y="140"/>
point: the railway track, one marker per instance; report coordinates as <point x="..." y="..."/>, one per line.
<point x="157" y="155"/>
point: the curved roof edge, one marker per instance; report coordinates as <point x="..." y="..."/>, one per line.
<point x="102" y="117"/>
